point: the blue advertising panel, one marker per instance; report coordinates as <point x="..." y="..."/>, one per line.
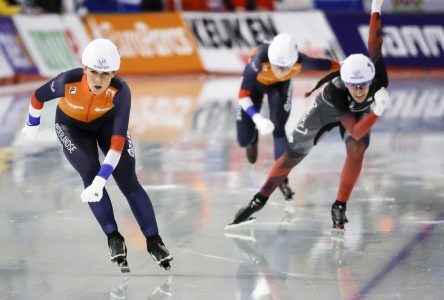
<point x="410" y="40"/>
<point x="414" y="106"/>
<point x="10" y="44"/>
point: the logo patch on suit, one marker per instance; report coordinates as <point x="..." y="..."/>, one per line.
<point x="72" y="90"/>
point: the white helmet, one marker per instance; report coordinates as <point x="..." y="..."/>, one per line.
<point x="283" y="50"/>
<point x="101" y="55"/>
<point x="357" y="68"/>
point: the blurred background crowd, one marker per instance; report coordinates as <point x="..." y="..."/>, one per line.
<point x="8" y="7"/>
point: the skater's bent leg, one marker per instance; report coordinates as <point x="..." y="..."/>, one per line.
<point x="138" y="200"/>
<point x="280" y="144"/>
<point x="103" y="212"/>
<point x="84" y="158"/>
<point x="279" y="172"/>
<point x="143" y="211"/>
<point x="352" y="168"/>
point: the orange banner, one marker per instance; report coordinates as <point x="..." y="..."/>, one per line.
<point x="149" y="43"/>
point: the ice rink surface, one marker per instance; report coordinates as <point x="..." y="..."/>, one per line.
<point x="198" y="177"/>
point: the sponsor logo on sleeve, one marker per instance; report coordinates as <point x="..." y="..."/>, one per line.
<point x="72" y="90"/>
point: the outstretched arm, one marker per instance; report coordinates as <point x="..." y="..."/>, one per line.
<point x="375" y="32"/>
<point x="320" y="64"/>
<point x="375" y="43"/>
<point x="50" y="90"/>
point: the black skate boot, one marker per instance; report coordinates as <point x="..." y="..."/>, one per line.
<point x="339" y="219"/>
<point x="286" y="190"/>
<point x="117" y="249"/>
<point x="244" y="214"/>
<point x="159" y="252"/>
<point x="251" y="149"/>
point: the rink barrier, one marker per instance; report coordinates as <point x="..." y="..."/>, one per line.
<point x="208" y="43"/>
<point x="155" y="43"/>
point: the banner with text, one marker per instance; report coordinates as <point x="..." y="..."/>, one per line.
<point x="13" y="49"/>
<point x="409" y="40"/>
<point x="225" y="40"/>
<point x="409" y="6"/>
<point x="149" y="43"/>
<point x="54" y="42"/>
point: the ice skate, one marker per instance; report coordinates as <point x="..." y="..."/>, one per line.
<point x="243" y="216"/>
<point x="118" y="252"/>
<point x="286" y="190"/>
<point x="159" y="252"/>
<point x="251" y="149"/>
<point x="339" y="220"/>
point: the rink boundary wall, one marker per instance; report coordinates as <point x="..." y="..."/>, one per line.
<point x="208" y="43"/>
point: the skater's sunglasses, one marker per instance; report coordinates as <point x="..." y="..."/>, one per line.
<point x="358" y="86"/>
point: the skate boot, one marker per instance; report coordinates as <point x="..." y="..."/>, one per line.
<point x="243" y="216"/>
<point x="339" y="219"/>
<point x="251" y="149"/>
<point x="117" y="249"/>
<point x="159" y="252"/>
<point x="286" y="190"/>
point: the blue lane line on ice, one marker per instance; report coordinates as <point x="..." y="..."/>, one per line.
<point x="398" y="258"/>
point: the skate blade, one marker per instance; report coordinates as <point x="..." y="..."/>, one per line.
<point x="125" y="269"/>
<point x="337" y="234"/>
<point x="123" y="265"/>
<point x="164" y="263"/>
<point x="240" y="224"/>
<point x="288" y="197"/>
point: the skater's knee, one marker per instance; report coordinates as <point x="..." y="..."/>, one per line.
<point x="279" y="132"/>
<point x="88" y="178"/>
<point x="243" y="143"/>
<point x="128" y="186"/>
<point x="296" y="151"/>
<point x="88" y="173"/>
<point x="246" y="140"/>
<point x="356" y="150"/>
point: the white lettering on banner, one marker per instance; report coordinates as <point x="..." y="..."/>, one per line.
<point x="410" y="40"/>
<point x="414" y="104"/>
<point x="144" y="41"/>
<point x="231" y="31"/>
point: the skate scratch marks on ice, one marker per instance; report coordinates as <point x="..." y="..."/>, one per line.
<point x="419" y="238"/>
<point x="213" y="256"/>
<point x="289" y="274"/>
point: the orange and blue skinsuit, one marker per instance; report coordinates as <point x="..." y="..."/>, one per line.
<point x="85" y="120"/>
